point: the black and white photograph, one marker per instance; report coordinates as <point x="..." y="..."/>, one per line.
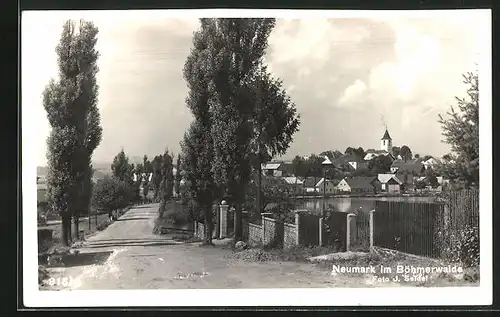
<point x="256" y="158"/>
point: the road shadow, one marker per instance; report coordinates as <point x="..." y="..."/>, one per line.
<point x="130" y="244"/>
<point x="141" y="207"/>
<point x="136" y="218"/>
<point x="80" y="259"/>
<point x="123" y="240"/>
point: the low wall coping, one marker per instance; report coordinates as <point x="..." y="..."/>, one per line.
<point x="273" y="220"/>
<point x="300" y="210"/>
<point x="255" y="225"/>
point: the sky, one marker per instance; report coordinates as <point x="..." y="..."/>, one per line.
<point x="349" y="77"/>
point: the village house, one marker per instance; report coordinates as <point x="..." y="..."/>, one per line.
<point x="309" y="185"/>
<point x="357" y="185"/>
<point x="278" y="169"/>
<point x="431" y="163"/>
<point x="442" y="183"/>
<point x="388" y="183"/>
<point x="296" y="183"/>
<point x="326" y="187"/>
<point x="351" y="160"/>
<point x="414" y="167"/>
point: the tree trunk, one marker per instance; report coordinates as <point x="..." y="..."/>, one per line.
<point x="77" y="225"/>
<point x="208" y="224"/>
<point x="64" y="230"/>
<point x="217" y="222"/>
<point x="238" y="230"/>
<point x="161" y="210"/>
<point x="259" y="189"/>
<point x="70" y="231"/>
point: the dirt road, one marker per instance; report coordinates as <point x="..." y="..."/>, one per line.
<point x="133" y="258"/>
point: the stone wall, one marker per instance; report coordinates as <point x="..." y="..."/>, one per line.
<point x="254" y="234"/>
<point x="269" y="227"/>
<point x="290" y="236"/>
<point x="199" y="230"/>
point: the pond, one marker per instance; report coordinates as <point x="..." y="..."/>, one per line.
<point x="352" y="204"/>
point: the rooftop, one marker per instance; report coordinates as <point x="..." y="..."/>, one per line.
<point x="386" y="135"/>
<point x="360" y="182"/>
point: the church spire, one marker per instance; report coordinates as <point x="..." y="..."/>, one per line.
<point x="386" y="135"/>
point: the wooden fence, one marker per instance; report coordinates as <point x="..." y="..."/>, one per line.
<point x="335" y="230"/>
<point x="363" y="231"/>
<point x="407" y="226"/>
<point x="427" y="229"/>
<point x="309" y="230"/>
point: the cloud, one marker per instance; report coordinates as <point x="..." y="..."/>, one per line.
<point x="404" y="70"/>
<point x="342" y="74"/>
<point x="352" y="92"/>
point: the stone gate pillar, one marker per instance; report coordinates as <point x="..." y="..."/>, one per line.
<point x="223" y="210"/>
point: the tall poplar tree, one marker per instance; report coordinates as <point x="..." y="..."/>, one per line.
<point x="198" y="144"/>
<point x="236" y="49"/>
<point x="71" y="106"/>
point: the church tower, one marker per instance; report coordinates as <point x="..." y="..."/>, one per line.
<point x="386" y="142"/>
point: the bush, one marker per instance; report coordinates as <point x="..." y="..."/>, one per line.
<point x="111" y="194"/>
<point x="176" y="214"/>
<point x="463" y="247"/>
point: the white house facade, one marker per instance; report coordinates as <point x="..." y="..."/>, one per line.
<point x="325" y="186"/>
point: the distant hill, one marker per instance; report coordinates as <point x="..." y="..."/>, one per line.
<point x="100" y="169"/>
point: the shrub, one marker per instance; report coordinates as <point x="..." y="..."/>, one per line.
<point x="176" y="215"/>
<point x="463" y="247"/>
<point x="111" y="194"/>
<point x="103" y="225"/>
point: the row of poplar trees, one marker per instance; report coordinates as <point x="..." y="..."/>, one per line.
<point x="242" y="115"/>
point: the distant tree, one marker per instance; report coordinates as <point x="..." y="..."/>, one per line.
<point x="146" y="164"/>
<point x="405" y="153"/>
<point x="121" y="168"/>
<point x="416" y="156"/>
<point x="277" y="197"/>
<point x="138" y="171"/>
<point x="380" y="164"/>
<point x="147" y="170"/>
<point x="299" y="166"/>
<point x="447" y="157"/>
<point x="427" y="157"/>
<point x="430" y="178"/>
<point x="349" y="150"/>
<point x="396" y="150"/>
<point x="178" y="175"/>
<point x="167" y="182"/>
<point x="111" y="194"/>
<point x="420" y="184"/>
<point x="71" y="107"/>
<point x="363" y="171"/>
<point x="461" y="132"/>
<point x="156" y="176"/>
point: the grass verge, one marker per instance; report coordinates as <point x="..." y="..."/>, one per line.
<point x="175" y="215"/>
<point x="297" y="253"/>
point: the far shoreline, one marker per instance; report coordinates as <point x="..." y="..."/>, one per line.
<point x="426" y="195"/>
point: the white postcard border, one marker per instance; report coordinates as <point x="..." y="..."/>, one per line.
<point x="401" y="296"/>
